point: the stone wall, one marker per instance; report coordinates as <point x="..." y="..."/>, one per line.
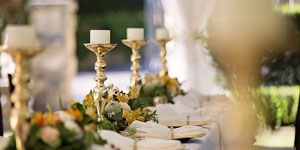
<point x="53" y="70"/>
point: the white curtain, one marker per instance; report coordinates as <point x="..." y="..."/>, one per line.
<point x="187" y="59"/>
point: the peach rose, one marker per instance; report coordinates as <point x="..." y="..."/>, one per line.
<point x="50" y="135"/>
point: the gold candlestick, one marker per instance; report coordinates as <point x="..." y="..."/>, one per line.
<point x="163" y="52"/>
<point x="135" y="79"/>
<point x="21" y="95"/>
<point x="100" y="91"/>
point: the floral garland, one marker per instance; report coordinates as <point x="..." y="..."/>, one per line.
<point x="160" y="90"/>
<point x="68" y="129"/>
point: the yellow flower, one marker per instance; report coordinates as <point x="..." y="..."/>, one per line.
<point x="130" y="116"/>
<point x="125" y="114"/>
<point x="148" y="78"/>
<point x="38" y="117"/>
<point x="116" y="90"/>
<point x="172" y="88"/>
<point x="76" y="114"/>
<point x="122" y="98"/>
<point x="165" y="79"/>
<point x="141" y="118"/>
<point x="137" y="112"/>
<point x="91" y="111"/>
<point x="73" y="102"/>
<point x="145" y="110"/>
<point x="48" y="118"/>
<point x="88" y="100"/>
<point x="90" y="127"/>
<point x="51" y="118"/>
<point x="133" y="93"/>
<point x="109" y="98"/>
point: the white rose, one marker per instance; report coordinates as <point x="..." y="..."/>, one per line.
<point x="50" y="135"/>
<point x="71" y="125"/>
<point x="125" y="106"/>
<point x="64" y="117"/>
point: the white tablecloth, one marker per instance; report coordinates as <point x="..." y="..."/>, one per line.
<point x="211" y="141"/>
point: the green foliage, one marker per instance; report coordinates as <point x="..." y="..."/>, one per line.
<point x="12" y="12"/>
<point x="150" y="91"/>
<point x="136" y="103"/>
<point x="159" y="90"/>
<point x="102" y="6"/>
<point x="283" y="64"/>
<point x="285" y="9"/>
<point x="152" y="116"/>
<point x="113" y="113"/>
<point x="116" y="21"/>
<point x="280" y="103"/>
<point x="113" y="117"/>
<point x="131" y="131"/>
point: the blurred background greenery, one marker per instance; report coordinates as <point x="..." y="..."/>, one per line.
<point x="283" y="66"/>
<point x="114" y="15"/>
<point x="281" y="75"/>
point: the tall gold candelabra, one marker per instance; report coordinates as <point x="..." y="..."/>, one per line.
<point x="100" y="91"/>
<point x="135" y="79"/>
<point x="21" y="95"/>
<point x="163" y="52"/>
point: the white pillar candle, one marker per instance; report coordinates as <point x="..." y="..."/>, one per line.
<point x="162" y="34"/>
<point x="135" y="33"/>
<point x="100" y="36"/>
<point x="19" y="37"/>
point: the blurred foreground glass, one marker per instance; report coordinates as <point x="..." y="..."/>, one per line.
<point x="241" y="33"/>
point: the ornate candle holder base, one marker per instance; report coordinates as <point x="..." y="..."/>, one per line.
<point x="163" y="52"/>
<point x="135" y="79"/>
<point x="21" y="95"/>
<point x="100" y="91"/>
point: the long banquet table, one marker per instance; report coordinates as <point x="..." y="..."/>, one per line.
<point x="211" y="141"/>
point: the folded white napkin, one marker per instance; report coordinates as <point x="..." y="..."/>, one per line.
<point x="153" y="130"/>
<point x="192" y="99"/>
<point x="125" y="143"/>
<point x="150" y="130"/>
<point x="179" y="115"/>
<point x="189" y="131"/>
<point x="176" y="109"/>
<point x="177" y="121"/>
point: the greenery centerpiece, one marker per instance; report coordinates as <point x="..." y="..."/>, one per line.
<point x="119" y="112"/>
<point x="159" y="89"/>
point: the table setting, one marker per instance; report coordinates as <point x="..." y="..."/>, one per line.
<point x="156" y="113"/>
